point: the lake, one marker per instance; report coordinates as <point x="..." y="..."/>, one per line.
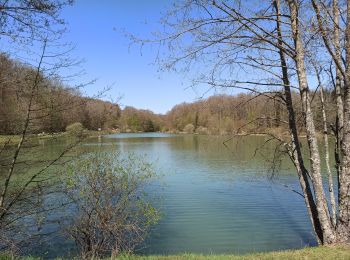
<point x="215" y="198"/>
<point x="220" y="199"/>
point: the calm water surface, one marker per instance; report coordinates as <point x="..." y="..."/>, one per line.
<point x="214" y="198"/>
<point x="219" y="199"/>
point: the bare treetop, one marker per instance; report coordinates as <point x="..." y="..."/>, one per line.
<point x="24" y="20"/>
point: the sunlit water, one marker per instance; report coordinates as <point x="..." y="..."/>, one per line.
<point x="219" y="199"/>
<point x="215" y="198"/>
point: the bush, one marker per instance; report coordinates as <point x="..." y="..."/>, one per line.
<point x="202" y="130"/>
<point x="75" y="129"/>
<point x="189" y="129"/>
<point x="113" y="214"/>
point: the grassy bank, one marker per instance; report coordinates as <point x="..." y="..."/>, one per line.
<point x="322" y="252"/>
<point x="339" y="252"/>
<point x="9" y="139"/>
<point x="14" y="139"/>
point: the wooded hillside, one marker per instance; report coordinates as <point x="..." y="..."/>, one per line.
<point x="55" y="105"/>
<point x="249" y="113"/>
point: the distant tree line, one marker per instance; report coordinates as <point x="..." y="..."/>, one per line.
<point x="57" y="106"/>
<point x="242" y="113"/>
<point x="138" y="120"/>
<point x="223" y="114"/>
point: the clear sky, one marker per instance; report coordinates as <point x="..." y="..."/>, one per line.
<point x="95" y="29"/>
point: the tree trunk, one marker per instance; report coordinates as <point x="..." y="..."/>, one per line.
<point x="338" y="92"/>
<point x="316" y="179"/>
<point x="326" y="147"/>
<point x="295" y="152"/>
<point x="343" y="227"/>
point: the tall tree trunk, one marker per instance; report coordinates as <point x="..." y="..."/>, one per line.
<point x="326" y="147"/>
<point x="343" y="227"/>
<point x="316" y="178"/>
<point x="338" y="92"/>
<point x="296" y="153"/>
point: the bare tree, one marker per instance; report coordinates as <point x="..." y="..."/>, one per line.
<point x="26" y="20"/>
<point x="266" y="48"/>
<point x="18" y="197"/>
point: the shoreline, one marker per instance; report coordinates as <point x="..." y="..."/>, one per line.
<point x="13" y="139"/>
<point x="316" y="253"/>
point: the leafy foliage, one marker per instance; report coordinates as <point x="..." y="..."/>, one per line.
<point x="189" y="128"/>
<point x="75" y="129"/>
<point x="113" y="213"/>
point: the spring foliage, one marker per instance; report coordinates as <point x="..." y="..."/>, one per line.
<point x="113" y="212"/>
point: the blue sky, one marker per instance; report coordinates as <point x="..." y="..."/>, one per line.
<point x="95" y="30"/>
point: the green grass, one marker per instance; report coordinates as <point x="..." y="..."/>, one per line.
<point x="322" y="253"/>
<point x="9" y="138"/>
<point x="14" y="139"/>
<point x="309" y="253"/>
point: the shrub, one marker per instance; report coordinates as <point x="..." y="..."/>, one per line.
<point x="113" y="214"/>
<point x="202" y="130"/>
<point x="75" y="129"/>
<point x="189" y="129"/>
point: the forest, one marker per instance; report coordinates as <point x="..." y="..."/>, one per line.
<point x="57" y="106"/>
<point x="54" y="107"/>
